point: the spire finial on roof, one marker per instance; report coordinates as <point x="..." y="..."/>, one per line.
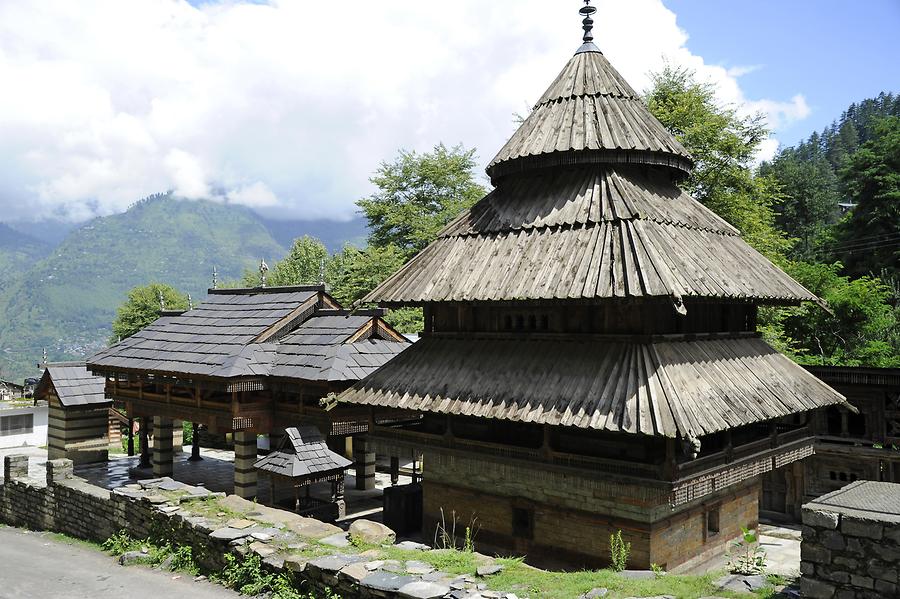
<point x="190" y="302"/>
<point x="588" y="23"/>
<point x="162" y="300"/>
<point x="263" y="269"/>
<point x="215" y="278"/>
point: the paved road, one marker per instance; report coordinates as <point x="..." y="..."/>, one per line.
<point x="34" y="566"/>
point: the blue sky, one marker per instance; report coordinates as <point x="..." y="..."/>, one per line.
<point x="833" y="52"/>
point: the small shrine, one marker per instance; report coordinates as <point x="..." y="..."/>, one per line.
<point x="301" y="460"/>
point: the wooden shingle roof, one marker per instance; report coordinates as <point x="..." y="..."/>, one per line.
<point x="291" y="333"/>
<point x="588" y="233"/>
<point x="74" y="385"/>
<point x="589" y="114"/>
<point x="662" y="388"/>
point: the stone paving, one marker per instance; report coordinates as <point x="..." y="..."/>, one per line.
<point x="215" y="472"/>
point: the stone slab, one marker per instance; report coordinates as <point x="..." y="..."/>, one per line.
<point x="864" y="499"/>
<point x="228" y="534"/>
<point x="423" y="590"/>
<point x="386" y="581"/>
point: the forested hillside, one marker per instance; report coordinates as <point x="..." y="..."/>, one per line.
<point x="66" y="301"/>
<point x="18" y="253"/>
<point x="823" y="177"/>
<point x="840" y="200"/>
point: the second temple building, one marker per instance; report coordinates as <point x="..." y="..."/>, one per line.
<point x="590" y="360"/>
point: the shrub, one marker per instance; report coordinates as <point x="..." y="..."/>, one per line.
<point x="748" y="557"/>
<point x="619" y="551"/>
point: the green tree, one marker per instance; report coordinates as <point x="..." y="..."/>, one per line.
<point x="810" y="196"/>
<point x="143" y="307"/>
<point x="302" y="265"/>
<point x="418" y="194"/>
<point x="723" y="145"/>
<point x="868" y="241"/>
<point x="862" y="328"/>
<point x="355" y="272"/>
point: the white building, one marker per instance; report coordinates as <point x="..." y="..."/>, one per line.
<point x="22" y="423"/>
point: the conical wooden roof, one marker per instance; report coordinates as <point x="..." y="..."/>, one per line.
<point x="589" y="114"/>
<point x="586" y="207"/>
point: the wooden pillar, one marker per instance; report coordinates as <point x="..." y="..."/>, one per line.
<point x="395" y="470"/>
<point x="195" y="443"/>
<point x="162" y="447"/>
<point x="244" y="458"/>
<point x="131" y="437"/>
<point x="145" y="442"/>
<point x="845" y="423"/>
<point x="364" y="458"/>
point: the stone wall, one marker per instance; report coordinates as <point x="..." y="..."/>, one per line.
<point x="168" y="511"/>
<point x="571" y="514"/>
<point x="851" y="545"/>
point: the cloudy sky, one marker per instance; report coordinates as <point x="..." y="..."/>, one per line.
<point x="288" y="106"/>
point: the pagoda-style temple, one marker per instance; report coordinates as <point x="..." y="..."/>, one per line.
<point x="249" y="362"/>
<point x="590" y="360"/>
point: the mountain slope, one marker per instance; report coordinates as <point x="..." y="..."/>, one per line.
<point x="333" y="234"/>
<point x="67" y="301"/>
<point x="18" y="252"/>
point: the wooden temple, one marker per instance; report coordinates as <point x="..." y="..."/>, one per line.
<point x="249" y="362"/>
<point x="590" y="360"/>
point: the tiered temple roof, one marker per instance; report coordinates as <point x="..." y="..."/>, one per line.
<point x="586" y="207"/>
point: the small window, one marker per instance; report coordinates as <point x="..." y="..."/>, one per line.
<point x="843" y="477"/>
<point x="520" y="322"/>
<point x="712" y="522"/>
<point x="532" y="322"/>
<point x="522" y="523"/>
<point x="507" y="323"/>
<point x="832" y="475"/>
<point x="545" y="322"/>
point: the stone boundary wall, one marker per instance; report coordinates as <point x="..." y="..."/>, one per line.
<point x="69" y="505"/>
<point x="848" y="557"/>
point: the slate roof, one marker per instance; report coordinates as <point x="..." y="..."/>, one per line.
<point x="662" y="388"/>
<point x="74" y="385"/>
<point x="315" y="350"/>
<point x="303" y="454"/>
<point x="283" y="332"/>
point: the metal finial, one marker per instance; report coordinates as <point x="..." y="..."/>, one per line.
<point x="263" y="269"/>
<point x="190" y="302"/>
<point x="322" y="272"/>
<point x="215" y="278"/>
<point x="44" y="356"/>
<point x="588" y="23"/>
<point x="162" y="300"/>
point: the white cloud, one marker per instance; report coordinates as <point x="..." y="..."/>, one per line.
<point x="290" y="105"/>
